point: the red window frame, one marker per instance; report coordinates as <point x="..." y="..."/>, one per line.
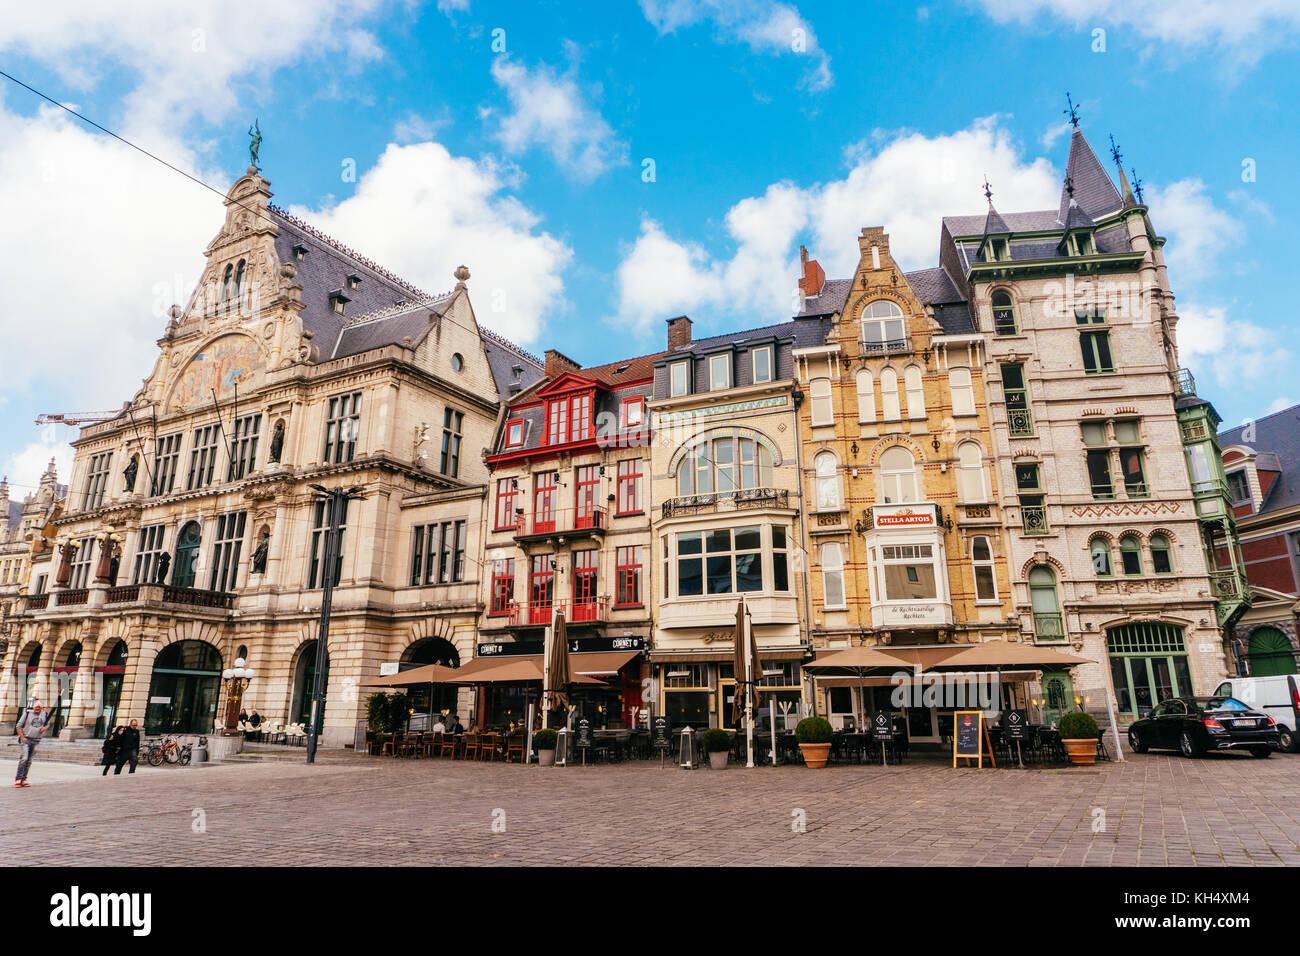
<point x="580" y="418"/>
<point x="629" y="487"/>
<point x="507" y="491"/>
<point x="511" y="425"/>
<point x="503" y="586"/>
<point x="586" y="502"/>
<point x="546" y="488"/>
<point x="630" y="403"/>
<point x="584" y="584"/>
<point x="557" y="422"/>
<point x="541" y="589"/>
<point x="627" y="577"/>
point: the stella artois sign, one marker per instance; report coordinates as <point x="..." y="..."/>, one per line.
<point x="906" y="516"/>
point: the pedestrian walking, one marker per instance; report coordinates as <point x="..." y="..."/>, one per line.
<point x="30" y="729"/>
<point x="128" y="748"/>
<point x="109" y="750"/>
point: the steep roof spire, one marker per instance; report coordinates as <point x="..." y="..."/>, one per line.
<point x="1118" y="158"/>
<point x="1086" y="182"/>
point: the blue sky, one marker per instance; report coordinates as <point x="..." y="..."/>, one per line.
<point x="601" y="167"/>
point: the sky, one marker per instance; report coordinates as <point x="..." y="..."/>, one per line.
<point x="602" y="167"/>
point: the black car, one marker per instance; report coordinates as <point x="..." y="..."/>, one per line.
<point x="1197" y="724"/>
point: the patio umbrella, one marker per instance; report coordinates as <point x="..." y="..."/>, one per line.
<point x="427" y="674"/>
<point x="1000" y="654"/>
<point x="855" y="661"/>
<point x="747" y="674"/>
<point x="560" y="674"/>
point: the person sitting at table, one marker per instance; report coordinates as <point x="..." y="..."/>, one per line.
<point x="255" y="719"/>
<point x="243" y="716"/>
<point x="456" y="726"/>
<point x="439" y="727"/>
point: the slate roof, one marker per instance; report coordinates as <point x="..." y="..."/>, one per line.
<point x="994" y="224"/>
<point x="1093" y="190"/>
<point x="782" y="330"/>
<point x="383" y="311"/>
<point x="829" y="299"/>
<point x="1279" y="434"/>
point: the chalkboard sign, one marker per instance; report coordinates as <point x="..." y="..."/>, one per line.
<point x="584" y="733"/>
<point x="882" y="725"/>
<point x="1015" y="726"/>
<point x="970" y="738"/>
<point x="660" y="734"/>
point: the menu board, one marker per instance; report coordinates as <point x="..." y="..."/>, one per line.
<point x="1015" y="726"/>
<point x="966" y="733"/>
<point x="660" y="733"/>
<point x="584" y="733"/>
<point x="882" y="725"/>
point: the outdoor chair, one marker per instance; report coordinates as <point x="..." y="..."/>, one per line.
<point x="516" y="746"/>
<point x="393" y="745"/>
<point x="447" y="746"/>
<point x="411" y="746"/>
<point x="469" y="751"/>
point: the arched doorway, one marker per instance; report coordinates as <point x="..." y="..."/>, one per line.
<point x="187" y="555"/>
<point x="435" y="698"/>
<point x="110" y="677"/>
<point x="65" y="683"/>
<point x="184" y="689"/>
<point x="305" y="682"/>
<point x="1271" y="654"/>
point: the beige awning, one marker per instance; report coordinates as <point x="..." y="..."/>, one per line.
<point x="1006" y="654"/>
<point x="507" y="670"/>
<point x="924" y="658"/>
<point x="427" y="674"/>
<point x="601" y="662"/>
<point x="854" y="659"/>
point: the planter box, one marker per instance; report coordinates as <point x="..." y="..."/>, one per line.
<point x="718" y="761"/>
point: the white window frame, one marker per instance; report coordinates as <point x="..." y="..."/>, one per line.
<point x="963" y="393"/>
<point x="890" y="410"/>
<point x="771" y="365"/>
<point x="833" y="577"/>
<point x="990" y="563"/>
<point x="890" y="480"/>
<point x="819" y="389"/>
<point x="827" y="479"/>
<point x="685" y="369"/>
<point x="963" y="470"/>
<point x="866" y="384"/>
<point x="932" y="559"/>
<point x="720" y="363"/>
<point x="913" y="383"/>
<point x="881" y="314"/>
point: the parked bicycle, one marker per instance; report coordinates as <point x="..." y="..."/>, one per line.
<point x="170" y="750"/>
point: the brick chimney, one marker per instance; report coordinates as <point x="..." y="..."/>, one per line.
<point x="557" y="363"/>
<point x="813" y="278"/>
<point x="679" y="332"/>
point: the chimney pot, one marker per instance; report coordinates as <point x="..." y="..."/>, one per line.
<point x="679" y="332"/>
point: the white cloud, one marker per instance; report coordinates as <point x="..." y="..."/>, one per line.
<point x="1198" y="229"/>
<point x="25" y="467"/>
<point x="1234" y="351"/>
<point x="183" y="59"/>
<point x="414" y="128"/>
<point x="907" y="183"/>
<point x="550" y="112"/>
<point x="1279" y="404"/>
<point x="449" y="7"/>
<point x="764" y="26"/>
<point x="1247" y="30"/>
<point x="421" y="212"/>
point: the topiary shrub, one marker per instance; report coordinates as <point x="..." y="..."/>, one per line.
<point x="813" y="730"/>
<point x="716" y="741"/>
<point x="1076" y="725"/>
<point x="544" y="739"/>
<point x="378" y="715"/>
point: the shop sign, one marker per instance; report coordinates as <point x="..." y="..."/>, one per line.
<point x="577" y="645"/>
<point x="584" y="733"/>
<point x="913" y="614"/>
<point x="882" y="726"/>
<point x="906" y="516"/>
<point x="388" y="668"/>
<point x="660" y="733"/>
<point x="1015" y="727"/>
<point x="160" y="700"/>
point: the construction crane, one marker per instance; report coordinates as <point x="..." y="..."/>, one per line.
<point x="77" y="418"/>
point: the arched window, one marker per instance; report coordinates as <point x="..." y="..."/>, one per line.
<point x="1100" y="549"/>
<point x="1047" y="610"/>
<point x="1130" y="554"/>
<point x="1004" y="314"/>
<point x="239" y="278"/>
<point x="1161" y="558"/>
<point x="971" y="484"/>
<point x="889" y="395"/>
<point x="898" y="476"/>
<point x="822" y="413"/>
<point x="883" y="328"/>
<point x="724" y="465"/>
<point x="828" y="482"/>
<point x="866" y="397"/>
<point x="187" y="555"/>
<point x="963" y="395"/>
<point x="915" y="394"/>
<point x="832" y="576"/>
<point x="981" y="556"/>
<point x="228" y="283"/>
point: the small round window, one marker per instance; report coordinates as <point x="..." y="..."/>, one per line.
<point x="457" y="361"/>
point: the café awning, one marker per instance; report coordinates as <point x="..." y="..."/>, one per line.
<point x="923" y="658"/>
<point x="507" y="670"/>
<point x="852" y="660"/>
<point x="426" y="674"/>
<point x="1001" y="654"/>
<point x="601" y="662"/>
<point x="723" y="652"/>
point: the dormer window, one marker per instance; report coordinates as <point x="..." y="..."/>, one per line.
<point x="719" y="372"/>
<point x="300" y="253"/>
<point x="339" y="302"/>
<point x="1239" y="488"/>
<point x="678" y="379"/>
<point x="354" y="282"/>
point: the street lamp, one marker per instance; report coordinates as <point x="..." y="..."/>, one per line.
<point x="237" y="679"/>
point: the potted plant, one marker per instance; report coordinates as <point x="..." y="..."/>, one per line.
<point x="399" y="712"/>
<point x="1079" y="734"/>
<point x="814" y="736"/>
<point x="717" y="744"/>
<point x="377" y="713"/>
<point x="544" y="744"/>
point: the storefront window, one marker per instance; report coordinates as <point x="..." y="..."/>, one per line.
<point x="1148" y="664"/>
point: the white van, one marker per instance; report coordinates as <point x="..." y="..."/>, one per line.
<point x="1276" y="696"/>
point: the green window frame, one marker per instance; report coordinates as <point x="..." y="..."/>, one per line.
<point x="1130" y="555"/>
<point x="1004" y="314"/>
<point x="1048" y="623"/>
<point x="1161" y="557"/>
<point x="1148" y="665"/>
<point x="1020" y="421"/>
<point x="1097" y="357"/>
<point x="1100" y="549"/>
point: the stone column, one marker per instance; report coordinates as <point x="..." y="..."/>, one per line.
<point x="86" y="693"/>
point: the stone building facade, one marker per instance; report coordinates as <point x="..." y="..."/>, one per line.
<point x="898" y="472"/>
<point x="297" y="363"/>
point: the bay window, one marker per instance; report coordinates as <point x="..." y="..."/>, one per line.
<point x="908" y="572"/>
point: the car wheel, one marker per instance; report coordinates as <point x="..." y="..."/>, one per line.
<point x="1264" y="752"/>
<point x="1188" y="746"/>
<point x="1135" y="743"/>
<point x="1285" y="740"/>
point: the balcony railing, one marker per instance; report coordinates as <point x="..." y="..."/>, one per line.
<point x="1103" y="492"/>
<point x="1020" y="422"/>
<point x="1225" y="585"/>
<point x="133" y="593"/>
<point x="887" y="347"/>
<point x="38" y="602"/>
<point x="1184" y="383"/>
<point x="748" y="498"/>
<point x="562" y="521"/>
<point x="1211" y="486"/>
<point x="1034" y="519"/>
<point x="120" y="595"/>
<point x="1048" y="626"/>
<point x="72" y="597"/>
<point x="540" y="613"/>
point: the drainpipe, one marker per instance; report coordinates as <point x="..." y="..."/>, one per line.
<point x="795" y="397"/>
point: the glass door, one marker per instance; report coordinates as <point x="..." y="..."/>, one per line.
<point x="187" y="556"/>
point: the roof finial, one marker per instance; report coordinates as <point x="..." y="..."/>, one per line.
<point x="1115" y="153"/>
<point x="988" y="190"/>
<point x="1137" y="185"/>
<point x="1072" y="112"/>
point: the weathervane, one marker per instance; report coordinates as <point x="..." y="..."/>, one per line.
<point x="1114" y="152"/>
<point x="1072" y="112"/>
<point x="1137" y="185"/>
<point x="988" y="190"/>
<point x="254" y="143"/>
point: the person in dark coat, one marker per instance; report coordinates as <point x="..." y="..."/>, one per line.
<point x="128" y="747"/>
<point x="109" y="749"/>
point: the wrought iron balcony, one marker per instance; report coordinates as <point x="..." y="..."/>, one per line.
<point x="1226" y="585"/>
<point x="1034" y="519"/>
<point x="747" y="498"/>
<point x="1049" y="626"/>
<point x="1020" y="422"/>
<point x="562" y="521"/>
<point x="887" y="347"/>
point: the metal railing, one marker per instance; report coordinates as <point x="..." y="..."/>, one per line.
<point x="1034" y="519"/>
<point x="1226" y="584"/>
<point x="1049" y="626"/>
<point x="887" y="347"/>
<point x="561" y="521"/>
<point x="1020" y="422"/>
<point x="542" y="613"/>
<point x="746" y="498"/>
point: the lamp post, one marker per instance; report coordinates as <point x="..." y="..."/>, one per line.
<point x="336" y="505"/>
<point x="237" y="679"/>
<point x="67" y="551"/>
<point x="110" y="546"/>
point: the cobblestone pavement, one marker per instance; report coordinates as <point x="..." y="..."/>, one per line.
<point x="1158" y="810"/>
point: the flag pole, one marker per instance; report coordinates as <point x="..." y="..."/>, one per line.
<point x="749" y="687"/>
<point x="546" y="671"/>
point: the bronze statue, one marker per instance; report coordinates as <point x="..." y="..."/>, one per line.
<point x="260" y="553"/>
<point x="160" y="572"/>
<point x="277" y="441"/>
<point x="254" y="144"/>
<point x="128" y="473"/>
